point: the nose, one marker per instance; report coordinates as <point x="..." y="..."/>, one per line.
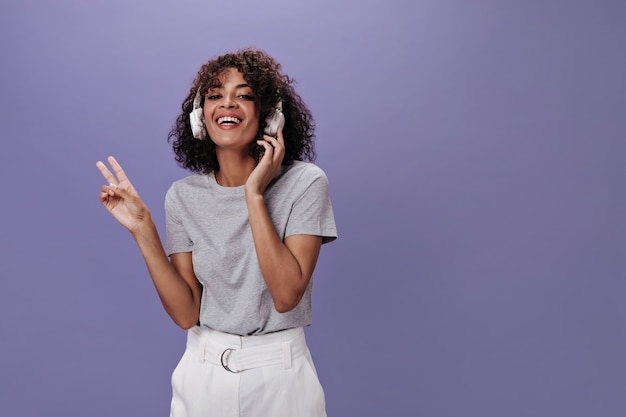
<point x="228" y="102"/>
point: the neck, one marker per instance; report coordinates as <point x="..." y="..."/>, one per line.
<point x="234" y="168"/>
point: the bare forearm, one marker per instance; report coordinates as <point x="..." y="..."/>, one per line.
<point x="179" y="299"/>
<point x="281" y="271"/>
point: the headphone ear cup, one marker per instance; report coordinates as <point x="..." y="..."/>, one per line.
<point x="275" y="121"/>
<point x="196" y="119"/>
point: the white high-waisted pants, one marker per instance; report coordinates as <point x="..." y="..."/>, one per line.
<point x="224" y="375"/>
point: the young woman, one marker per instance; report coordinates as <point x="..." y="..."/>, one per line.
<point x="243" y="235"/>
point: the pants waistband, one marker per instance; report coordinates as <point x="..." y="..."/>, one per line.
<point x="239" y="353"/>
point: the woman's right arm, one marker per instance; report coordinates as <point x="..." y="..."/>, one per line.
<point x="174" y="280"/>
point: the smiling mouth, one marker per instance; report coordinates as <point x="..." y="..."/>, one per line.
<point x="228" y="121"/>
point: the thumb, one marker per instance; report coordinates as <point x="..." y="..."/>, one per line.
<point x="118" y="190"/>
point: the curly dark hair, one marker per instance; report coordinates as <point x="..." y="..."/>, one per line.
<point x="263" y="74"/>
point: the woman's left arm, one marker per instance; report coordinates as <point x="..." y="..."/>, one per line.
<point x="286" y="266"/>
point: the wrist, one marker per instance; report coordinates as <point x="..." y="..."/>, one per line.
<point x="143" y="226"/>
<point x="252" y="194"/>
<point x="255" y="202"/>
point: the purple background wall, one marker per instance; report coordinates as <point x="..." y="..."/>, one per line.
<point x="476" y="158"/>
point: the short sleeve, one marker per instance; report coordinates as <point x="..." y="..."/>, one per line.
<point x="177" y="239"/>
<point x="312" y="212"/>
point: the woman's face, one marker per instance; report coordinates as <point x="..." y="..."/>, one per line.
<point x="230" y="115"/>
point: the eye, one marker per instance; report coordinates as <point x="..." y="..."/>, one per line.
<point x="246" y="97"/>
<point x="213" y="96"/>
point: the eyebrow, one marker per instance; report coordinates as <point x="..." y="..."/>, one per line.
<point x="216" y="86"/>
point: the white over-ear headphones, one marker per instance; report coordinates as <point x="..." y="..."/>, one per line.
<point x="196" y="118"/>
<point x="274" y="121"/>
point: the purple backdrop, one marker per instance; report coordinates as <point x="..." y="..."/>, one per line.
<point x="476" y="157"/>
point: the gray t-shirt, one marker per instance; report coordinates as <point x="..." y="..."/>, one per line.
<point x="211" y="222"/>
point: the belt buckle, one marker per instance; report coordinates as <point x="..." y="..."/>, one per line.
<point x="224" y="358"/>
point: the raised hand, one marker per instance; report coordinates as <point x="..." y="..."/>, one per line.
<point x="269" y="164"/>
<point x="120" y="197"/>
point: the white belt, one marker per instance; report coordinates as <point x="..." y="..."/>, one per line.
<point x="227" y="350"/>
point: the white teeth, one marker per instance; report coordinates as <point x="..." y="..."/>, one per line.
<point x="228" y="119"/>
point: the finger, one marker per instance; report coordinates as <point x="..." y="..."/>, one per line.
<point x="109" y="189"/>
<point x="104" y="194"/>
<point x="273" y="141"/>
<point x="268" y="149"/>
<point x="279" y="148"/>
<point x="106" y="173"/>
<point x="125" y="192"/>
<point x="267" y="145"/>
<point x="118" y="169"/>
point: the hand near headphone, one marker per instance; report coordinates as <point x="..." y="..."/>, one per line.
<point x="120" y="197"/>
<point x="269" y="165"/>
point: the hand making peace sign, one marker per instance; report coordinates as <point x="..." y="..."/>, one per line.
<point x="120" y="197"/>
